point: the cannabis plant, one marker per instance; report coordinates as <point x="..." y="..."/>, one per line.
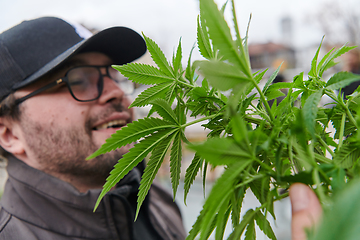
<point x="261" y="147"/>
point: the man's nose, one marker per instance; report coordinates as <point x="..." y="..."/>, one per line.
<point x="111" y="90"/>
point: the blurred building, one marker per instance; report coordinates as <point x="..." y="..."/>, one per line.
<point x="265" y="55"/>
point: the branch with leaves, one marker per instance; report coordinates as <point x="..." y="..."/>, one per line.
<point x="262" y="148"/>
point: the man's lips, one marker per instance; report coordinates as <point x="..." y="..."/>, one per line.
<point x="114" y="124"/>
<point x="117" y="120"/>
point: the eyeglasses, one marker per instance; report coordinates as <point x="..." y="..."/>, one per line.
<point x="85" y="83"/>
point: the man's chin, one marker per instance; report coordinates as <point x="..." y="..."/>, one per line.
<point x="112" y="157"/>
<point x="118" y="151"/>
<point x="102" y="165"/>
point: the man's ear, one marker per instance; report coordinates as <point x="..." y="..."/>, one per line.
<point x="10" y="137"/>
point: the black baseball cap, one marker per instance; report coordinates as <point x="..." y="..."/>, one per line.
<point x="33" y="48"/>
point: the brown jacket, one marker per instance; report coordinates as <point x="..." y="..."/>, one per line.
<point x="36" y="205"/>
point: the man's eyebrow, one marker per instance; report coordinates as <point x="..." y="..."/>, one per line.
<point x="64" y="67"/>
<point x="73" y="63"/>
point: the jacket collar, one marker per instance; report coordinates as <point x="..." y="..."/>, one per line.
<point x="43" y="200"/>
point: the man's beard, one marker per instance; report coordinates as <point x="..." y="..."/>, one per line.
<point x="61" y="151"/>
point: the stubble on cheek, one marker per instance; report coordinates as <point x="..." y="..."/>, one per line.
<point x="60" y="149"/>
<point x="63" y="151"/>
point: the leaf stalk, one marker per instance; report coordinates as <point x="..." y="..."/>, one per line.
<point x="200" y="120"/>
<point x="263" y="99"/>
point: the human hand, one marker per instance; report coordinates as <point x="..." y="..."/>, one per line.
<point x="306" y="210"/>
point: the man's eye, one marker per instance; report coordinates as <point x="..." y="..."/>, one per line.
<point x="75" y="82"/>
<point x="78" y="84"/>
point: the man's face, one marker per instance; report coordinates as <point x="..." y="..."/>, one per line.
<point x="61" y="132"/>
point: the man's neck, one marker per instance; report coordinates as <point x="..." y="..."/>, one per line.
<point x="82" y="184"/>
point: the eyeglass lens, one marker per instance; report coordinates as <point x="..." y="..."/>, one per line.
<point x="83" y="82"/>
<point x="86" y="84"/>
<point x="126" y="85"/>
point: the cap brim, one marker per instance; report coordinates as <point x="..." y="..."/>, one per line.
<point x="121" y="44"/>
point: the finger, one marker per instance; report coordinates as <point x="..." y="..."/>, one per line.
<point x="306" y="210"/>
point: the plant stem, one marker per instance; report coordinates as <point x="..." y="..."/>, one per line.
<point x="243" y="183"/>
<point x="350" y="116"/>
<point x="323" y="159"/>
<point x="264" y="165"/>
<point x="186" y="84"/>
<point x="332" y="95"/>
<point x="341" y="133"/>
<point x="199" y="120"/>
<point x="323" y="143"/>
<point x="318" y="188"/>
<point x="262" y="97"/>
<point x="262" y="112"/>
<point x="310" y="150"/>
<point x="291" y="157"/>
<point x="257" y="121"/>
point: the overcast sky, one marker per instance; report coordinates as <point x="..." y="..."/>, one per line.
<point x="166" y="21"/>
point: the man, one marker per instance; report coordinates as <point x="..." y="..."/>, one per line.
<point x="60" y="101"/>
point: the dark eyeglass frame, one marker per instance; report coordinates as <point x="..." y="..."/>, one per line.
<point x="65" y="80"/>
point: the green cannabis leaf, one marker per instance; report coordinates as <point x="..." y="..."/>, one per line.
<point x="262" y="147"/>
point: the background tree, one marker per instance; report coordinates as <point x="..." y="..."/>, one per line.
<point x="339" y="22"/>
